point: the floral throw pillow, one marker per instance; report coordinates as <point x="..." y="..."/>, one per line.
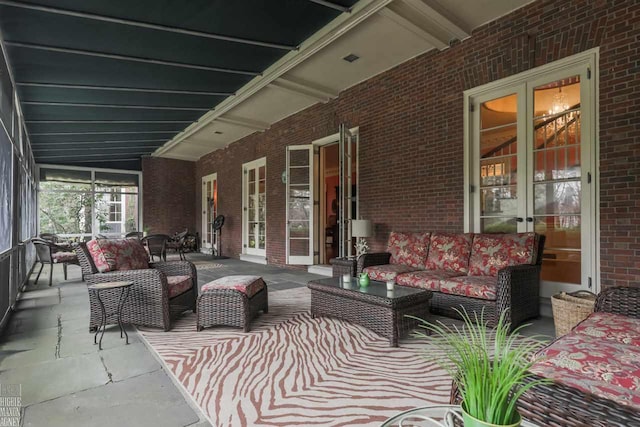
<point x="408" y="249"/>
<point x="492" y="252"/>
<point x="118" y="254"/>
<point x="449" y="252"/>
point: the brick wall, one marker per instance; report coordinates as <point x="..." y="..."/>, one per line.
<point x="168" y="195"/>
<point x="411" y="130"/>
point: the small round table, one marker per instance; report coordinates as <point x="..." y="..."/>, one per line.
<point x="124" y="287"/>
<point x="433" y="416"/>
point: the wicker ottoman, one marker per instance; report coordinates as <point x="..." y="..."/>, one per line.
<point x="232" y="301"/>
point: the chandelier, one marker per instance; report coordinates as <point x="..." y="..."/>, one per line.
<point x="559" y="103"/>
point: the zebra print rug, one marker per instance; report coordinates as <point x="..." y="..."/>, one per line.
<point x="292" y="370"/>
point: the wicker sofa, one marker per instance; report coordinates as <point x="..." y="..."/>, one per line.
<point x="490" y="272"/>
<point x="159" y="288"/>
<point x="595" y="369"/>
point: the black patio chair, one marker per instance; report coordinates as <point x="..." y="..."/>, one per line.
<point x="137" y="234"/>
<point x="156" y="244"/>
<point x="177" y="243"/>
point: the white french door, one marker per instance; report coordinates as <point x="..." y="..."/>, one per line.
<point x="347" y="204"/>
<point x="255" y="207"/>
<point x="209" y="211"/>
<point x="532" y="164"/>
<point x="300" y="204"/>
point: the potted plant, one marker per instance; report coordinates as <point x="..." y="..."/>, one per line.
<point x="488" y="366"/>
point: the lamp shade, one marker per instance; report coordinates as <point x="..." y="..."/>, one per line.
<point x="361" y="228"/>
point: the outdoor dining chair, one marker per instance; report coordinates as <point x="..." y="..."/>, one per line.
<point x="156" y="244"/>
<point x="50" y="253"/>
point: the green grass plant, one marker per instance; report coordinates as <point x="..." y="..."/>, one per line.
<point x="488" y="365"/>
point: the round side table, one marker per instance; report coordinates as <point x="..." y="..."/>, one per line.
<point x="432" y="416"/>
<point x="98" y="288"/>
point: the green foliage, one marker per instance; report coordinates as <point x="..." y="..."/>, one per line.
<point x="68" y="211"/>
<point x="489" y="366"/>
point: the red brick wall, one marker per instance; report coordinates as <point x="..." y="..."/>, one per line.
<point x="168" y="196"/>
<point x="411" y="130"/>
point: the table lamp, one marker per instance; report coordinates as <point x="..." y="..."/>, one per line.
<point x="361" y="228"/>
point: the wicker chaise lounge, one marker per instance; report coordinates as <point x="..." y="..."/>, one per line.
<point x="157" y="291"/>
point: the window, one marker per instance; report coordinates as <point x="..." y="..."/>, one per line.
<point x="80" y="203"/>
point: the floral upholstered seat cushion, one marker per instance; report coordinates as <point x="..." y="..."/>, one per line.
<point x="387" y="271"/>
<point x="60" y="257"/>
<point x="178" y="285"/>
<point x="248" y="285"/>
<point x="492" y="252"/>
<point x="482" y="287"/>
<point x="118" y="254"/>
<point x="613" y="327"/>
<point x="425" y="279"/>
<point x="408" y="249"/>
<point x="449" y="252"/>
<point x="594" y="365"/>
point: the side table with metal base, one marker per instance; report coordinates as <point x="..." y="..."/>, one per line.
<point x="124" y="287"/>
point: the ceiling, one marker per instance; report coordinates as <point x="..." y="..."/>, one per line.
<point x="102" y="83"/>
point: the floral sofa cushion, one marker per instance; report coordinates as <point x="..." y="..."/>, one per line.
<point x="593" y="365"/>
<point x="118" y="254"/>
<point x="492" y="252"/>
<point x="482" y="287"/>
<point x="178" y="285"/>
<point x="408" y="248"/>
<point x="249" y="285"/>
<point x="610" y="326"/>
<point x="386" y="272"/>
<point x="449" y="252"/>
<point x="425" y="279"/>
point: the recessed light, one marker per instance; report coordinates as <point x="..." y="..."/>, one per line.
<point x="217" y="132"/>
<point x="351" y="57"/>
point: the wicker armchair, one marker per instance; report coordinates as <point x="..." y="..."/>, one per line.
<point x="517" y="292"/>
<point x="50" y="253"/>
<point x="149" y="302"/>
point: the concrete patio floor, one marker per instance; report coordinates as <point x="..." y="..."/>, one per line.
<point x="67" y="381"/>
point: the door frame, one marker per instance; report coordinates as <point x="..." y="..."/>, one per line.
<point x="254" y="164"/>
<point x="211" y="177"/>
<point x="590" y="59"/>
<point x="319" y="238"/>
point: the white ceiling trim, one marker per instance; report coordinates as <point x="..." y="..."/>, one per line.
<point x="244" y="123"/>
<point x="338" y="27"/>
<point x="307" y="89"/>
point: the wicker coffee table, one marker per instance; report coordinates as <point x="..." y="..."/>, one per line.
<point x="373" y="306"/>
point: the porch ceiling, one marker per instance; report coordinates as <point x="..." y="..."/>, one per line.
<point x="106" y="82"/>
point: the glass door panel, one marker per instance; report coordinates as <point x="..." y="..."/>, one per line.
<point x="300" y="204"/>
<point x="498" y="167"/>
<point x="557" y="178"/>
<point x="209" y="210"/>
<point x="255" y="207"/>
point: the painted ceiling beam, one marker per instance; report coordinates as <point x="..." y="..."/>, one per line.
<point x="51" y="143"/>
<point x="306" y="89"/>
<point x="99" y="133"/>
<point x="130" y="147"/>
<point x="73" y="156"/>
<point x="118" y="57"/>
<point x="145" y="25"/>
<point x="331" y="5"/>
<point x="121" y="106"/>
<point x="123" y="89"/>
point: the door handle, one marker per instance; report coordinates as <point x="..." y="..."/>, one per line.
<point x="529" y="219"/>
<point x="519" y="219"/>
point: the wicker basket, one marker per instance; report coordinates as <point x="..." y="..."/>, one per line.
<point x="571" y="309"/>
